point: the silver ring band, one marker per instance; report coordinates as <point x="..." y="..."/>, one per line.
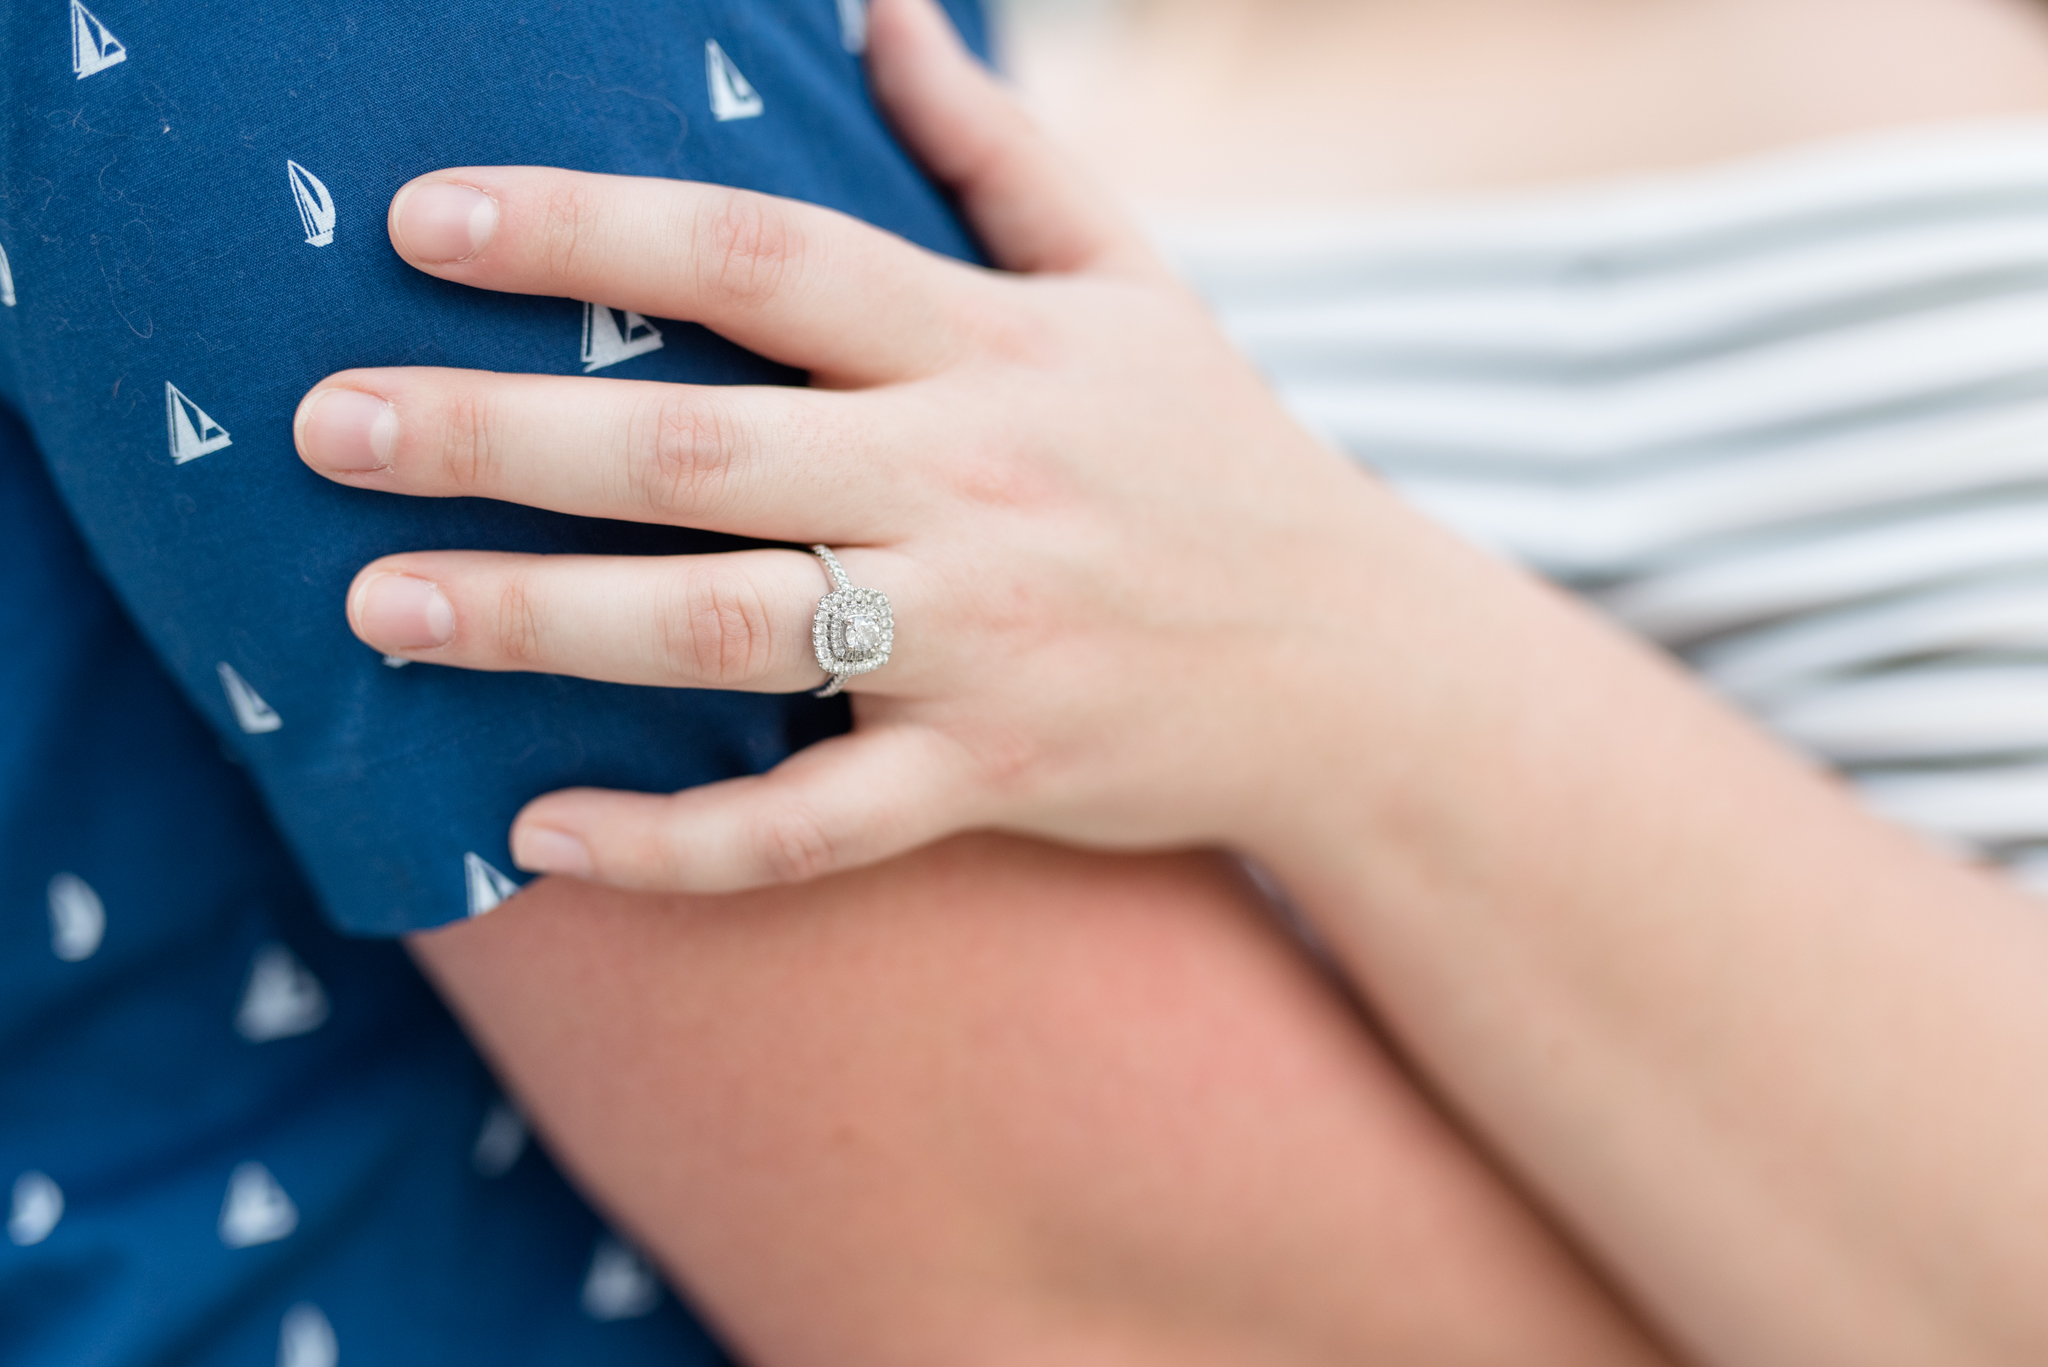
<point x="854" y="629"/>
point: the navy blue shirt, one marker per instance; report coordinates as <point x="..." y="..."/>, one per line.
<point x="228" y="1133"/>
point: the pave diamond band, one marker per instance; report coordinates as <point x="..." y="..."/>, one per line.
<point x="854" y="629"/>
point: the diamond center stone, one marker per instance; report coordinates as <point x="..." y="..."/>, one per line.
<point x="863" y="635"/>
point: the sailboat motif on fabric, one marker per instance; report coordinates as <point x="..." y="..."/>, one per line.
<point x="252" y="714"/>
<point x="256" y="1210"/>
<point x="78" y="919"/>
<point x="193" y="434"/>
<point x="316" y="206"/>
<point x="853" y="25"/>
<point x="606" y="342"/>
<point x="6" y="281"/>
<point x="37" y="1207"/>
<point x="619" y="1285"/>
<point x="283" y="998"/>
<point x="305" y="1338"/>
<point x="731" y="95"/>
<point x="485" y="885"/>
<point x="500" y="1141"/>
<point x="92" y="47"/>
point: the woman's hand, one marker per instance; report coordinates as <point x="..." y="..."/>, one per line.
<point x="1118" y="571"/>
<point x="1777" y="1065"/>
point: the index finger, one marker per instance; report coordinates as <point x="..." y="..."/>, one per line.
<point x="800" y="284"/>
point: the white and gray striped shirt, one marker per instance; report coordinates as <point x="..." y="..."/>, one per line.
<point x="1786" y="416"/>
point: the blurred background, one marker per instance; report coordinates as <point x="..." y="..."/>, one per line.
<point x="1195" y="102"/>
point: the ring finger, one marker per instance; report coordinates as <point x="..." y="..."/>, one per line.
<point x="740" y="620"/>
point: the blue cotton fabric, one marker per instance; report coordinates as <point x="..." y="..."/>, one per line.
<point x="229" y="1133"/>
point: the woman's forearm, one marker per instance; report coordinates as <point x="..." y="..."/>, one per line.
<point x="1780" y="1062"/>
<point x="1777" y="1061"/>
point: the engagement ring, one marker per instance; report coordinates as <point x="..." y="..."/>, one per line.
<point x="854" y="629"/>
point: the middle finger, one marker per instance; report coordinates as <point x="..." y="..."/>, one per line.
<point x="767" y="461"/>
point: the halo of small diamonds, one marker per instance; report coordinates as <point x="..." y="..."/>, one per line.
<point x="854" y="629"/>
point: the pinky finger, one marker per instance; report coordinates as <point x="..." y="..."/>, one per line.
<point x="846" y="802"/>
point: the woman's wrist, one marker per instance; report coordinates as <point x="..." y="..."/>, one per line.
<point x="1677" y="979"/>
<point x="1426" y="671"/>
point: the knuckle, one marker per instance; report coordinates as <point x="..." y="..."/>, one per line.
<point x="1006" y="328"/>
<point x="719" y="632"/>
<point x="791" y="845"/>
<point x="1009" y="462"/>
<point x="680" y="451"/>
<point x="1003" y="482"/>
<point x="567" y="219"/>
<point x="747" y="248"/>
<point x="467" y="460"/>
<point x="1009" y="763"/>
<point x="518" y="623"/>
<point x="662" y="849"/>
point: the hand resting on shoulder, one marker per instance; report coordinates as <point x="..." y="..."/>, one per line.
<point x="1771" y="1058"/>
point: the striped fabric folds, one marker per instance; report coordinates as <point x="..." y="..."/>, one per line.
<point x="1787" y="417"/>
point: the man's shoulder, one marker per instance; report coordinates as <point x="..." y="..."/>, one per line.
<point x="211" y="243"/>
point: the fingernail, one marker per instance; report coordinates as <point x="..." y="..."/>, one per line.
<point x="348" y="431"/>
<point x="537" y="849"/>
<point x="438" y="222"/>
<point x="400" y="612"/>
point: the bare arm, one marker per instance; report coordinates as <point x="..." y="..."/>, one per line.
<point x="1778" y="1064"/>
<point x="1004" y="1103"/>
<point x="1781" y="1061"/>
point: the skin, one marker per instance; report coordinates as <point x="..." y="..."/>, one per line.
<point x="1231" y="104"/>
<point x="824" y="1109"/>
<point x="1004" y="1103"/>
<point x="1773" y="1061"/>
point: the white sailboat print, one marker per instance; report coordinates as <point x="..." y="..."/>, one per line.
<point x="500" y="1142"/>
<point x="605" y="342"/>
<point x="193" y="434"/>
<point x="92" y="47"/>
<point x="618" y="1286"/>
<point x="306" y="1339"/>
<point x="6" y="281"/>
<point x="256" y="1210"/>
<point x="283" y="998"/>
<point x="37" y="1206"/>
<point x="485" y="885"/>
<point x="853" y="25"/>
<point x="316" y="206"/>
<point x="731" y="96"/>
<point x="252" y="714"/>
<point x="78" y="919"/>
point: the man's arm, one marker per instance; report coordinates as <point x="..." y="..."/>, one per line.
<point x="1001" y="1102"/>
